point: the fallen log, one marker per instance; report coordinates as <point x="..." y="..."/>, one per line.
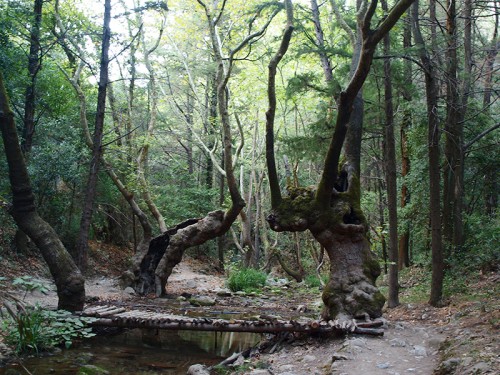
<point x="221" y="325"/>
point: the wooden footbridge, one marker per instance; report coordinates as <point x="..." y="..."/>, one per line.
<point x="112" y="316"/>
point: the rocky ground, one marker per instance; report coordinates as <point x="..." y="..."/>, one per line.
<point x="461" y="338"/>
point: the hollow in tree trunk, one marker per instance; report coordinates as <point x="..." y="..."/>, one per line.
<point x="332" y="212"/>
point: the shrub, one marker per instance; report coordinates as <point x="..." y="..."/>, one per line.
<point x="313" y="281"/>
<point x="246" y="279"/>
<point x="34" y="329"/>
<point x="29" y="329"/>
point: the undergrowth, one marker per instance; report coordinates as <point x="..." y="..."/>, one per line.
<point x="32" y="329"/>
<point x="246" y="279"/>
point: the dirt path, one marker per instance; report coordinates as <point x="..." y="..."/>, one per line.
<point x="409" y="346"/>
<point x="403" y="350"/>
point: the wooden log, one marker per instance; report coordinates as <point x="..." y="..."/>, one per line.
<point x="219" y="326"/>
<point x="373" y="324"/>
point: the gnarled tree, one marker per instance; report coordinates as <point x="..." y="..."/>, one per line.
<point x="68" y="279"/>
<point x="332" y="212"/>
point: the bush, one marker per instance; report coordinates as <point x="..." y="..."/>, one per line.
<point x="246" y="279"/>
<point x="29" y="329"/>
<point x="34" y="329"/>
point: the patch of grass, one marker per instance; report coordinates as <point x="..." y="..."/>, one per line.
<point x="313" y="281"/>
<point x="246" y="279"/>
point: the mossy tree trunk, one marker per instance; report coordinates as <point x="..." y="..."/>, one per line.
<point x="68" y="279"/>
<point x="332" y="212"/>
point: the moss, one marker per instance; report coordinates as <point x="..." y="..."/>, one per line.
<point x="374" y="307"/>
<point x="330" y="298"/>
<point x="371" y="268"/>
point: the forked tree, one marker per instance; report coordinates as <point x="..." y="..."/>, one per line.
<point x="332" y="211"/>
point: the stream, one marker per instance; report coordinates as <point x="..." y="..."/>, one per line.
<point x="139" y="351"/>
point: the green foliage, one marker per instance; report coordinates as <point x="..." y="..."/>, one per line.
<point x="29" y="284"/>
<point x="34" y="329"/>
<point x="31" y="329"/>
<point x="246" y="279"/>
<point x="313" y="281"/>
<point x="481" y="247"/>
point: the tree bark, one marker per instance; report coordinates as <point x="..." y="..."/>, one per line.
<point x="404" y="239"/>
<point x="453" y="130"/>
<point x="390" y="175"/>
<point x="68" y="279"/>
<point x="34" y="64"/>
<point x="431" y="89"/>
<point x="320" y="41"/>
<point x="143" y="156"/>
<point x="81" y="248"/>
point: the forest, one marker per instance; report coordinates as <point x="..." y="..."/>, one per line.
<point x="345" y="144"/>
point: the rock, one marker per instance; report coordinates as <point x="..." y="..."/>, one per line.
<point x="480" y="368"/>
<point x="448" y="366"/>
<point x="277" y="282"/>
<point x="360" y="343"/>
<point x="198" y="370"/>
<point x="129" y="290"/>
<point x="259" y="372"/>
<point x="92" y="370"/>
<point x="400" y="343"/>
<point x="301" y="308"/>
<point x="181" y="298"/>
<point x="435" y="342"/>
<point x="202" y="301"/>
<point x="286" y="367"/>
<point x="309" y="358"/>
<point x="339" y="357"/>
<point x="223" y="292"/>
<point x="239" y="361"/>
<point x="418" y="351"/>
<point x="383" y="365"/>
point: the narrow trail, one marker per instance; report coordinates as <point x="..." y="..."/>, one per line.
<point x="412" y="338"/>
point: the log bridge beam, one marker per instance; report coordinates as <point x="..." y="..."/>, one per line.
<point x="111" y="316"/>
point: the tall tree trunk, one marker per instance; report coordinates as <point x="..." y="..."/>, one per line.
<point x="34" y="63"/>
<point x="490" y="59"/>
<point x="68" y="279"/>
<point x="464" y="94"/>
<point x="81" y="248"/>
<point x="390" y="175"/>
<point x="490" y="177"/>
<point x="452" y="129"/>
<point x="143" y="156"/>
<point x="404" y="239"/>
<point x="431" y="89"/>
<point x="320" y="41"/>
